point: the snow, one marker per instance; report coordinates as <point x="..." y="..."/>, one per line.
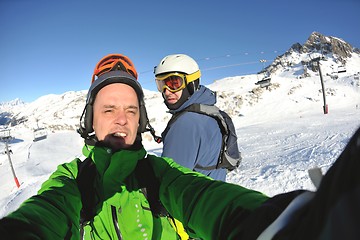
<point x="283" y="131"/>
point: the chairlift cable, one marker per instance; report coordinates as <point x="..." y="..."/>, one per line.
<point x="231" y="65"/>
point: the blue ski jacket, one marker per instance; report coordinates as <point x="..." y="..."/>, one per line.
<point x="195" y="139"/>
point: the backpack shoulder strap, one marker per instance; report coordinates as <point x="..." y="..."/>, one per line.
<point x="173" y="118"/>
<point x="150" y="187"/>
<point x="85" y="181"/>
<point x="209" y="110"/>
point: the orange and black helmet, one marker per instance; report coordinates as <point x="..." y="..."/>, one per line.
<point x="113" y="68"/>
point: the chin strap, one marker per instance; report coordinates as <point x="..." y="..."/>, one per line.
<point x="89" y="140"/>
<point x="149" y="128"/>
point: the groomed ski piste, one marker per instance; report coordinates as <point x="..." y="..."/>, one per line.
<point x="282" y="133"/>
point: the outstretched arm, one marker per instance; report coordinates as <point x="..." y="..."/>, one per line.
<point x="207" y="208"/>
<point x="51" y="214"/>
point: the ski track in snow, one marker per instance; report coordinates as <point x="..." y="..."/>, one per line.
<point x="276" y="157"/>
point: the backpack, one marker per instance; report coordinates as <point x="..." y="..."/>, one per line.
<point x="229" y="157"/>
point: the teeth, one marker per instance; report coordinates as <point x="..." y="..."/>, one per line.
<point x="120" y="134"/>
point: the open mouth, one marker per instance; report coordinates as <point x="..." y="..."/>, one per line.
<point x="120" y="134"/>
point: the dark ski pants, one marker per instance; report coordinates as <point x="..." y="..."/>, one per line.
<point x="334" y="211"/>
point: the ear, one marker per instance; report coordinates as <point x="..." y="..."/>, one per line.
<point x="88" y="121"/>
<point x="143" y="119"/>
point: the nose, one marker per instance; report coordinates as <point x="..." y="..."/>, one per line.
<point x="167" y="92"/>
<point x="121" y="118"/>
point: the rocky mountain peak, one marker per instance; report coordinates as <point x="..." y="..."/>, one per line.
<point x="327" y="45"/>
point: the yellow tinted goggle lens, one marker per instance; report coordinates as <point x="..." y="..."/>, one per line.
<point x="172" y="82"/>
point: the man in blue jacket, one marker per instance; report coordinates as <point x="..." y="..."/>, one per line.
<point x="193" y="140"/>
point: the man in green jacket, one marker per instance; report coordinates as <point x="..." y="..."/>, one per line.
<point x="103" y="195"/>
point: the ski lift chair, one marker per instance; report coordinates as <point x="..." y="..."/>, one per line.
<point x="265" y="82"/>
<point x="40" y="134"/>
<point x="5" y="134"/>
<point x="341" y="69"/>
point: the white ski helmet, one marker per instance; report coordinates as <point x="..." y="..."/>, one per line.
<point x="177" y="63"/>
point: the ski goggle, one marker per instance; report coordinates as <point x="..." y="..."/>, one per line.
<point x="114" y="62"/>
<point x="175" y="82"/>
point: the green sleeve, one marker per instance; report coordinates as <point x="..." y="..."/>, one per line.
<point x="204" y="206"/>
<point x="51" y="214"/>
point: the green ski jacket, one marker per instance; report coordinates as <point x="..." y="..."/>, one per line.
<point x="123" y="212"/>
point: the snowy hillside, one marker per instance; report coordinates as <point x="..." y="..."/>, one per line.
<point x="282" y="128"/>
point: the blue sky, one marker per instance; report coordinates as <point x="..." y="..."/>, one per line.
<point x="51" y="47"/>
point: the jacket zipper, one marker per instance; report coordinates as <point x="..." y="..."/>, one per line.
<point x="115" y="222"/>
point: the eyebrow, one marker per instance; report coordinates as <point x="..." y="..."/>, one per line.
<point x="132" y="107"/>
<point x="114" y="107"/>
